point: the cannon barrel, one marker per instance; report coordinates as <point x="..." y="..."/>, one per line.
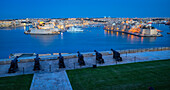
<point x="36" y="63"/>
<point x="61" y="61"/>
<point x="14" y="65"/>
<point x="80" y="59"/>
<point x="99" y="58"/>
<point x="116" y="55"/>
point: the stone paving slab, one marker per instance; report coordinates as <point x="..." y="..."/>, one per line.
<point x="56" y="79"/>
<point x="72" y="63"/>
<point x="51" y="81"/>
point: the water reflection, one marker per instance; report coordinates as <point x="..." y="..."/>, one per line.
<point x="105" y="32"/>
<point x="122" y="33"/>
<point x="62" y="35"/>
<point x="111" y="33"/>
<point x="129" y="37"/>
<point x="141" y="40"/>
<point x="46" y="40"/>
<point x="132" y="37"/>
<point x="24" y="27"/>
<point x="117" y="33"/>
<point x="71" y="42"/>
<point x="149" y="39"/>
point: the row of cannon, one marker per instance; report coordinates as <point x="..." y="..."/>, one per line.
<point x="99" y="59"/>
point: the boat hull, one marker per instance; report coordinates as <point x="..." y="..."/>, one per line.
<point x="42" y="32"/>
<point x="74" y="31"/>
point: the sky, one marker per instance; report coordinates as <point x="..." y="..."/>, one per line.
<point x="17" y="9"/>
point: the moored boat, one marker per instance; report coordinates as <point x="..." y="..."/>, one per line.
<point x="75" y="29"/>
<point x="43" y="29"/>
<point x="36" y="31"/>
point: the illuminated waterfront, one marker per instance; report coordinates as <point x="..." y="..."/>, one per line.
<point x="15" y="41"/>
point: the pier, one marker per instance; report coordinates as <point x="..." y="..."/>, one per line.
<point x="135" y="34"/>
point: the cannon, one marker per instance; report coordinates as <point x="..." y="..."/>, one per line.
<point x="116" y="55"/>
<point x="14" y="65"/>
<point x="99" y="58"/>
<point x="36" y="63"/>
<point x="80" y="59"/>
<point x="61" y="61"/>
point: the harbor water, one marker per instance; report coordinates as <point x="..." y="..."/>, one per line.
<point x="93" y="38"/>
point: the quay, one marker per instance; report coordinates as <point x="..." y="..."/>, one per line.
<point x="136" y="34"/>
<point x="51" y="77"/>
<point x="49" y="57"/>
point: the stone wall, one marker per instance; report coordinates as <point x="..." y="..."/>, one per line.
<point x="87" y="54"/>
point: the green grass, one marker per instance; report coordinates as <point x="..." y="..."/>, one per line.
<point x="133" y="76"/>
<point x="20" y="82"/>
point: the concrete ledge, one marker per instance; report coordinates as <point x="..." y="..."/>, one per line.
<point x="44" y="54"/>
<point x="87" y="54"/>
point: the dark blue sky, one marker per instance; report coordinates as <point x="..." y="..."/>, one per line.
<point x="11" y="9"/>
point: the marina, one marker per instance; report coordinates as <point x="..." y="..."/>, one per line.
<point x="98" y="39"/>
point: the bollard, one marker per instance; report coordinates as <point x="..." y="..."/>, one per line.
<point x="135" y="59"/>
<point x="23" y="70"/>
<point x="126" y="54"/>
<point x="74" y="65"/>
<point x="50" y="68"/>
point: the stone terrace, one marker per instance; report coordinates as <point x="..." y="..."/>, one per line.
<point x="53" y="78"/>
<point x="72" y="63"/>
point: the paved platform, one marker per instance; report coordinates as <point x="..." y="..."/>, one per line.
<point x="51" y="81"/>
<point x="72" y="63"/>
<point x="51" y="77"/>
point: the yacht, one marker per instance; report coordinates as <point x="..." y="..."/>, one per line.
<point x="74" y="29"/>
<point x="43" y="29"/>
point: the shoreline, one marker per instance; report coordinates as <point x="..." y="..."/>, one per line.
<point x="135" y="34"/>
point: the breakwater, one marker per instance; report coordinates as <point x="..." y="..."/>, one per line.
<point x="135" y="34"/>
<point x="87" y="54"/>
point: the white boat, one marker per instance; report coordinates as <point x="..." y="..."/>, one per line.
<point x="36" y="31"/>
<point x="43" y="29"/>
<point x="75" y="29"/>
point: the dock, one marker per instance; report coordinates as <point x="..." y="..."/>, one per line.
<point x="135" y="34"/>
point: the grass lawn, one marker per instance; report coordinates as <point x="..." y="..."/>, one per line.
<point x="138" y="76"/>
<point x="21" y="82"/>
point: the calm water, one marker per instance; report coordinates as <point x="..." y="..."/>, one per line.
<point x="15" y="41"/>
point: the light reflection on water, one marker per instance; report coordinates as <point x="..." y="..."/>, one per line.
<point x="129" y="37"/>
<point x="15" y="41"/>
<point x="45" y="40"/>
